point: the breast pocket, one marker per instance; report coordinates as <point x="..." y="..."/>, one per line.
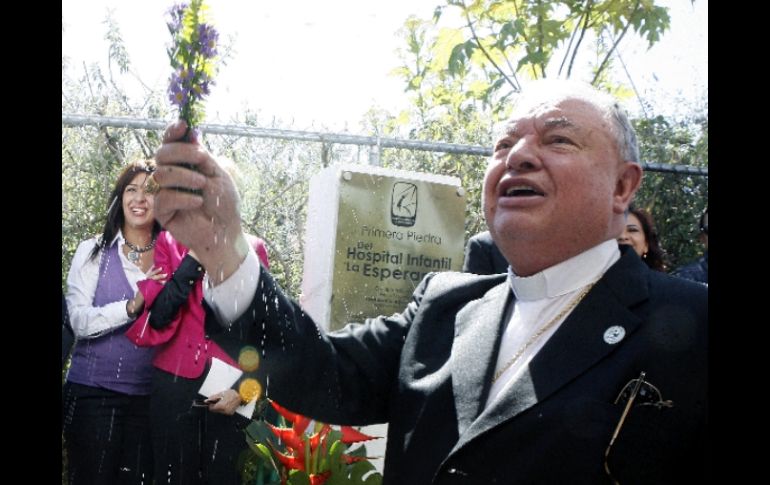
<point x="654" y="444"/>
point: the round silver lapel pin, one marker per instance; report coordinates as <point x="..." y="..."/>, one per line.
<point x="614" y="334"/>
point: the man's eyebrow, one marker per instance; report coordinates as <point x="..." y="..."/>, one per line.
<point x="510" y="130"/>
<point x="561" y="122"/>
<point x="550" y="123"/>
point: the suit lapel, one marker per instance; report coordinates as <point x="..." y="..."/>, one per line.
<point x="575" y="347"/>
<point x="474" y="351"/>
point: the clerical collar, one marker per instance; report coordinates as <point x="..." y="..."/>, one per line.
<point x="566" y="276"/>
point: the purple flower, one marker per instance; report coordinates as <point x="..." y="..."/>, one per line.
<point x="202" y="89"/>
<point x="175" y="13"/>
<point x="178" y="93"/>
<point x="207" y="37"/>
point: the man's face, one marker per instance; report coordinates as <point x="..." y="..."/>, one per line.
<point x="552" y="178"/>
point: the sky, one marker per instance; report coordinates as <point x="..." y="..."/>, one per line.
<point x="322" y="64"/>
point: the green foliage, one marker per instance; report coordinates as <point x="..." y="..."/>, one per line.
<point x="676" y="201"/>
<point x="259" y="467"/>
<point x="508" y="39"/>
<point x="476" y="65"/>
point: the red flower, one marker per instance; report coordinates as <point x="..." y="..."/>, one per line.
<point x="299" y="422"/>
<point x="320" y="478"/>
<point x="315" y="440"/>
<point x="288" y="436"/>
<point x="352" y="435"/>
<point x="317" y="452"/>
<point x="290" y="462"/>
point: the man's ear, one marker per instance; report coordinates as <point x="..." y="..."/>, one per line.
<point x="629" y="180"/>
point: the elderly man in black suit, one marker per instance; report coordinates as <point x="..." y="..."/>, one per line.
<point x="581" y="366"/>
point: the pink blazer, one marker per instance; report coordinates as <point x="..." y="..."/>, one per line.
<point x="183" y="348"/>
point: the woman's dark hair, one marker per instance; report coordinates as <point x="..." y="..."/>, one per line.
<point x="115" y="217"/>
<point x="654" y="257"/>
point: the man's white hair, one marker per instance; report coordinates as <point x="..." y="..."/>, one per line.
<point x="547" y="91"/>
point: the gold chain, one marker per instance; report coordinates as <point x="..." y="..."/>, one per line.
<point x="541" y="331"/>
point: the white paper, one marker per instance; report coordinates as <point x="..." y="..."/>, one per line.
<point x="222" y="376"/>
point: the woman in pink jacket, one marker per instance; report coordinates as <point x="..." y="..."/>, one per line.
<point x="191" y="444"/>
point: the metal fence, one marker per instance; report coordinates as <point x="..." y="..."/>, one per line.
<point x="330" y="138"/>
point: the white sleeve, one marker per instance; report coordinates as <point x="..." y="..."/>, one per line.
<point x="87" y="320"/>
<point x="233" y="296"/>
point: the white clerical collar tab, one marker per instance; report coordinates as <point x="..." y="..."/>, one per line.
<point x="567" y="276"/>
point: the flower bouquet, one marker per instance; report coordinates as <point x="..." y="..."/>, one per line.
<point x="302" y="452"/>
<point x="193" y="56"/>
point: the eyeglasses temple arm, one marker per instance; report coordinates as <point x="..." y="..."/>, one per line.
<point x="630" y="403"/>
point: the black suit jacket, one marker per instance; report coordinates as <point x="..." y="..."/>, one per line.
<point x="427" y="371"/>
<point x="483" y="257"/>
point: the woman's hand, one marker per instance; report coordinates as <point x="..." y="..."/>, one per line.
<point x="135" y="305"/>
<point x="226" y="402"/>
<point x="155" y="274"/>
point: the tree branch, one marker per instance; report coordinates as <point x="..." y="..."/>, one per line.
<point x="582" y="35"/>
<point x="484" y="51"/>
<point x="569" y="45"/>
<point x="615" y="45"/>
<point x="523" y="33"/>
<point x="630" y="79"/>
<point x="540" y="37"/>
<point x="513" y="71"/>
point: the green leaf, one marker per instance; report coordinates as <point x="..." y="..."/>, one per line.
<point x="501" y="11"/>
<point x="306" y="442"/>
<point x="478" y="89"/>
<point x="298" y="477"/>
<point x="457" y="59"/>
<point x="437" y="13"/>
<point x="444" y="46"/>
<point x="336" y="463"/>
<point x="265" y="453"/>
<point x="508" y="34"/>
<point x="359" y="469"/>
<point x="373" y="479"/>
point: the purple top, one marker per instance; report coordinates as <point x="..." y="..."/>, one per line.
<point x="111" y="361"/>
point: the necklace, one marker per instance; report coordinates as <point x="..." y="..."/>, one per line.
<point x="133" y="255"/>
<point x="541" y="331"/>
